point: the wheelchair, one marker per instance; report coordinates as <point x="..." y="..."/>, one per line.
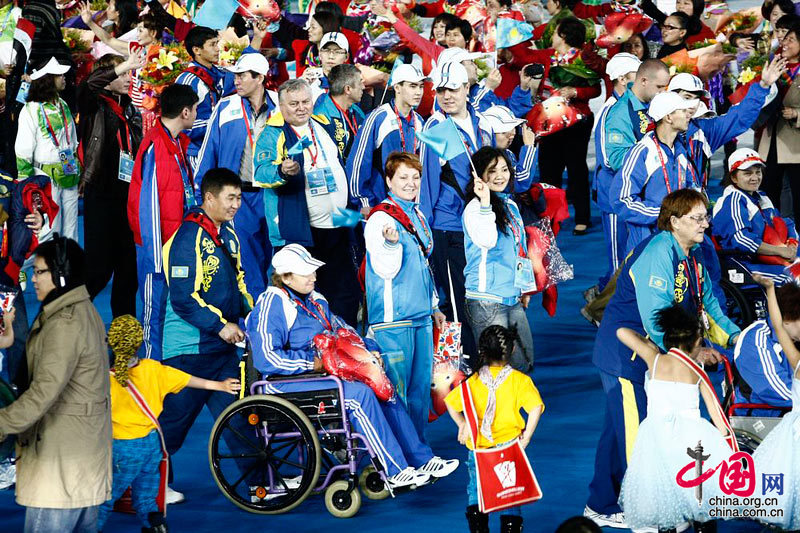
<point x="297" y="443"/>
<point x="749" y="430"/>
<point x="746" y="301"/>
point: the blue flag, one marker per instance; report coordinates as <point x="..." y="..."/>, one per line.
<point x="299" y="146"/>
<point x="444" y="139"/>
<point x="342" y="218"/>
<point x="397" y="62"/>
<point x="511" y="32"/>
<point x="216" y="14"/>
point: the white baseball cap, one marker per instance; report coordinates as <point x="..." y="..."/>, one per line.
<point x="502" y="119"/>
<point x="622" y="64"/>
<point x="337" y="38"/>
<point x="250" y="62"/>
<point x="294" y="259"/>
<point x="687" y="82"/>
<point x="703" y="111"/>
<point x="744" y="158"/>
<point x="451" y="76"/>
<point x="407" y="72"/>
<point x="457" y="55"/>
<point x="665" y="103"/>
<point x="51" y="67"/>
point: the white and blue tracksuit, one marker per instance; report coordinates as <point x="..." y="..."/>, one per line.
<point x="281" y="332"/>
<point x="706" y="135"/>
<point x="525" y="168"/>
<point x="739" y="222"/>
<point x="224" y="146"/>
<point x="208" y="98"/>
<point x="379" y="136"/>
<point x="650" y="171"/>
<point x="482" y="98"/>
<point x="765" y="369"/>
<point x="614" y="228"/>
<point x="401" y="297"/>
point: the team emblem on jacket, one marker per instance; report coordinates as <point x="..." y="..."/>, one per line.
<point x="681" y="283"/>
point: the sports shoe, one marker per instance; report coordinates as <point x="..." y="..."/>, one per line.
<point x="407" y="478"/>
<point x="591" y="294"/>
<point x="292" y="483"/>
<point x="8" y="475"/>
<point x="616" y="520"/>
<point x="173" y="496"/>
<point x="438" y="467"/>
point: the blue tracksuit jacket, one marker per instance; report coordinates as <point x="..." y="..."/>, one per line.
<point x="441" y="195"/>
<point x="337" y="128"/>
<point x="378" y="137"/>
<point x="482" y="98"/>
<point x="206" y="286"/>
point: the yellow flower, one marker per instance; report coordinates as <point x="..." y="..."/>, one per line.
<point x="165" y="59"/>
<point x="747" y="75"/>
<point x="226" y="57"/>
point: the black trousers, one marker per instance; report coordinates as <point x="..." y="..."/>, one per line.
<point x="337" y="280"/>
<point x="773" y="180"/>
<point x="108" y="241"/>
<point x="568" y="149"/>
<point x="448" y="247"/>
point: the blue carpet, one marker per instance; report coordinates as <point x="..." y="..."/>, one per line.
<point x="562" y="449"/>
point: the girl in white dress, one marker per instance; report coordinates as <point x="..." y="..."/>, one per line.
<point x="650" y="495"/>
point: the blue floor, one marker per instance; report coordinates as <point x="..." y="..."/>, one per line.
<point x="562" y="449"/>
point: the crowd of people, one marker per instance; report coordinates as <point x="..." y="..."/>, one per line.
<point x="339" y="169"/>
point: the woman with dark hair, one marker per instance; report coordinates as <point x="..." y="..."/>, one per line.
<point x="306" y="53"/>
<point x="124" y="14"/>
<point x="637" y="45"/>
<point x="62" y="420"/>
<point x="47" y="143"/>
<point x="696" y="31"/>
<point x="674" y="31"/>
<point x="438" y="27"/>
<point x="498" y="272"/>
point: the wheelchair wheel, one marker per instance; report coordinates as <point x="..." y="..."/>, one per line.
<point x="747" y="441"/>
<point x="372" y="484"/>
<point x="737" y="308"/>
<point x="264" y="454"/>
<point x="340" y="501"/>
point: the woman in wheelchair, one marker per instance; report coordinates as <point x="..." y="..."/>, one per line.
<point x="281" y="327"/>
<point x="746" y="221"/>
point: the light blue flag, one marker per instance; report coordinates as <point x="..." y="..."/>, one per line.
<point x="397" y="62"/>
<point x="216" y="14"/>
<point x="444" y="139"/>
<point x="299" y="146"/>
<point x="345" y="217"/>
<point x="511" y="32"/>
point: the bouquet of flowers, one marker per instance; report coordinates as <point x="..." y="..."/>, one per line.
<point x="744" y="21"/>
<point x="164" y="64"/>
<point x="727" y="48"/>
<point x="703" y="62"/>
<point x="575" y="74"/>
<point x="77" y="41"/>
<point x="380" y="45"/>
<point x="231" y="47"/>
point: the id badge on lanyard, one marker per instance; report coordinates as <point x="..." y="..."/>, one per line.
<point x="22" y="93"/>
<point x="523" y="275"/>
<point x="321" y="181"/>
<point x="68" y="162"/>
<point x="125" y="167"/>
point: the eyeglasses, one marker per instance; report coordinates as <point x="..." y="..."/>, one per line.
<point x="40" y="271"/>
<point x="333" y="52"/>
<point x="701" y="218"/>
<point x="670" y="27"/>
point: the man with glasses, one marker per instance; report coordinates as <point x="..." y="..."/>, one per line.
<point x="333" y="50"/>
<point x="656" y="166"/>
<point x="231" y="134"/>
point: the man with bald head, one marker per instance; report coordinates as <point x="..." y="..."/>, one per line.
<point x="298" y="163"/>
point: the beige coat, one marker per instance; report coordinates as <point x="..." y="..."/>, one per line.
<point x="63" y="420"/>
<point x="787" y="131"/>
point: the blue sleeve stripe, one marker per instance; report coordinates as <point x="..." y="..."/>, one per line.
<point x="739" y="226"/>
<point x="271" y="355"/>
<point x="770" y="373"/>
<point x="358" y="160"/>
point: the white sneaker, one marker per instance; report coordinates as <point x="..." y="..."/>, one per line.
<point x="407" y="478"/>
<point x="173" y="496"/>
<point x="616" y="520"/>
<point x="438" y="467"/>
<point x="8" y="475"/>
<point x="683" y="527"/>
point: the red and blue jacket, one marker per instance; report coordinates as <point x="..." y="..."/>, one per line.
<point x="206" y="286"/>
<point x="160" y="192"/>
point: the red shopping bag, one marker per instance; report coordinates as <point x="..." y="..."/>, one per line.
<point x="505" y="476"/>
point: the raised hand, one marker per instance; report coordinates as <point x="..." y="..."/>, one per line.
<point x="772" y="71"/>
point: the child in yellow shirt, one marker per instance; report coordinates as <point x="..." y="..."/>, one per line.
<point x="498" y="392"/>
<point x="137" y="445"/>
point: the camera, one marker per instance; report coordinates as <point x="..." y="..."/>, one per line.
<point x="534" y="70"/>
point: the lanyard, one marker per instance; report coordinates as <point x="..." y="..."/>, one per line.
<point x="512" y="223"/>
<point x="321" y="318"/>
<point x="50" y="129"/>
<point x="699" y="284"/>
<point x="247" y="125"/>
<point x="117" y="110"/>
<point x="413" y="121"/>
<point x="466" y="140"/>
<point x="664" y="168"/>
<point x="429" y="244"/>
<point x="315" y="153"/>
<point x="351" y="123"/>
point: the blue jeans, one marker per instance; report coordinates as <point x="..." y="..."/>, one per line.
<point x="482" y="313"/>
<point x="472" y="488"/>
<point x="47" y="520"/>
